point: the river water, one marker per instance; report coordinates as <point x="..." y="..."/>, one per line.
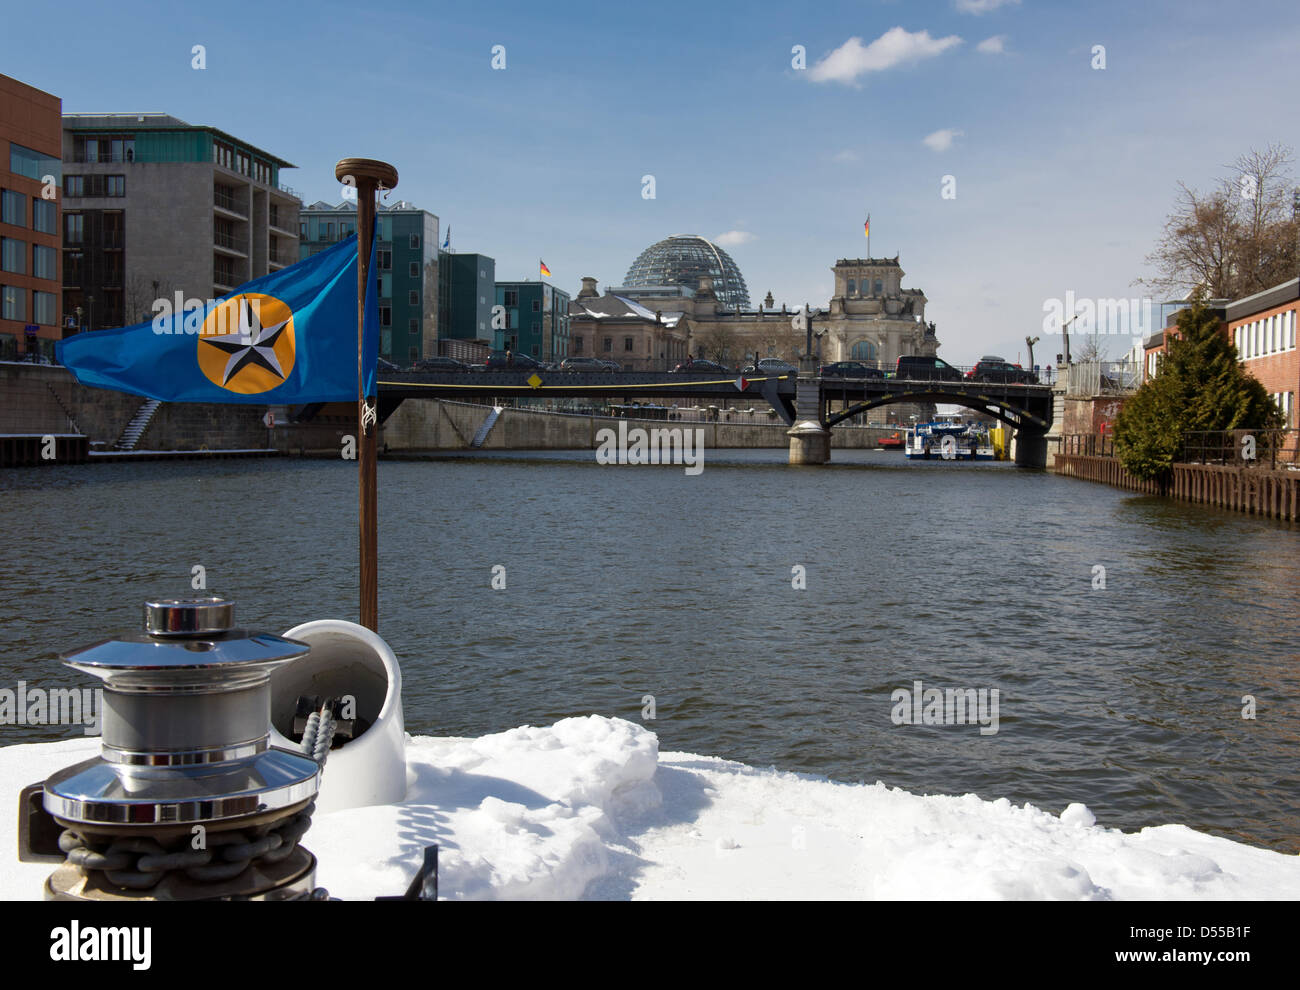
<point x="627" y="581"/>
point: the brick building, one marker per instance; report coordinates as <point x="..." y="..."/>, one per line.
<point x="1263" y="327"/>
<point x="31" y="308"/>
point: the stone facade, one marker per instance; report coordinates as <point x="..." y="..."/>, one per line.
<point x="870" y="318"/>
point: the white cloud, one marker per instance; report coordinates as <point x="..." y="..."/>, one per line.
<point x="733" y="237"/>
<point x="895" y="47"/>
<point x="845" y="156"/>
<point x="981" y="6"/>
<point x="995" y="45"/>
<point x="940" y="140"/>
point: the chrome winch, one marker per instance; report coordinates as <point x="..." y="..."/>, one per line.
<point x="188" y="800"/>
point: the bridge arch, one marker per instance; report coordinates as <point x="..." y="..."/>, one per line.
<point x="999" y="408"/>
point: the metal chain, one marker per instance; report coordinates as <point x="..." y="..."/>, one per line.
<point x="142" y="863"/>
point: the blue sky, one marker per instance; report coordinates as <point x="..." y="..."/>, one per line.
<point x="1064" y="173"/>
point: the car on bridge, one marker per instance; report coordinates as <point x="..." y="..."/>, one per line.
<point x="499" y="361"/>
<point x="701" y="366"/>
<point x="849" y="369"/>
<point x="610" y="365"/>
<point x="584" y="364"/>
<point x="926" y="368"/>
<point x="995" y="369"/>
<point x="383" y="365"/>
<point x="439" y="364"/>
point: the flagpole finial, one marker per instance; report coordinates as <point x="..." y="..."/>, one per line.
<point x="383" y="175"/>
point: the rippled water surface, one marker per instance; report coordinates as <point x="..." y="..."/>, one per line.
<point x="627" y="581"/>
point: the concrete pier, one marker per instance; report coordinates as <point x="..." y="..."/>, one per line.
<point x="810" y="443"/>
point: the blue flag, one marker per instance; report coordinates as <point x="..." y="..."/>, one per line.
<point x="287" y="338"/>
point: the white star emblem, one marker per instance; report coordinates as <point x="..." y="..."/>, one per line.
<point x="252" y="344"/>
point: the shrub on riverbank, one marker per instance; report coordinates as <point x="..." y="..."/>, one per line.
<point x="1200" y="385"/>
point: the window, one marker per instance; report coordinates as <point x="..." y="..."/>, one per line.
<point x="415" y="269"/>
<point x="385" y="285"/>
<point x="275" y="214"/>
<point x="850" y="288"/>
<point x="13" y="208"/>
<point x="45" y="216"/>
<point x="415" y="241"/>
<point x="73" y="228"/>
<point x="609" y="344"/>
<point x="44" y="308"/>
<point x="627" y="343"/>
<point x="413" y="298"/>
<point x="577" y="345"/>
<point x="413" y="325"/>
<point x="537" y="305"/>
<point x="329" y="231"/>
<point x="385" y="260"/>
<point x="72" y="267"/>
<point x="13" y="303"/>
<point x="302" y="230"/>
<point x="385" y="316"/>
<point x="880" y="288"/>
<point x="33" y="164"/>
<point x="511" y="297"/>
<point x="74" y="185"/>
<point x="115" y="185"/>
<point x="385" y="228"/>
<point x="44" y="262"/>
<point x="243" y="163"/>
<point x="13" y="256"/>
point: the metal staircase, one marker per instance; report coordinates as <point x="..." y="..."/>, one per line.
<point x="139" y="423"/>
<point x="481" y="434"/>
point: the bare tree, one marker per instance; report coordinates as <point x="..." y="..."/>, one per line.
<point x="1234" y="240"/>
<point x="717" y="343"/>
<point x="138" y="296"/>
<point x="1092" y="349"/>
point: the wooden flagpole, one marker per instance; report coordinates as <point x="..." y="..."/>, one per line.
<point x="367" y="176"/>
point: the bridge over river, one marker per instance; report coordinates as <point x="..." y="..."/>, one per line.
<point x="811" y="405"/>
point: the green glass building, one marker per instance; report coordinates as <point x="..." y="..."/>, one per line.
<point x="466" y="292"/>
<point x="536" y="320"/>
<point x="407" y="262"/>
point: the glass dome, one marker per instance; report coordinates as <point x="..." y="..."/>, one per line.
<point x="681" y="260"/>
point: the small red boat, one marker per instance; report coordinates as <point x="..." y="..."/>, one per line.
<point x="891" y="443"/>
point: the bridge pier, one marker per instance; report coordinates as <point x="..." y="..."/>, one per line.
<point x="810" y="443"/>
<point x="1031" y="448"/>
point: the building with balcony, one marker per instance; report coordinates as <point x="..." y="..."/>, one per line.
<point x="407" y="261"/>
<point x="154" y="206"/>
<point x="30" y="278"/>
<point x="536" y="320"/>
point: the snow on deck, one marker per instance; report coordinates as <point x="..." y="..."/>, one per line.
<point x="589" y="807"/>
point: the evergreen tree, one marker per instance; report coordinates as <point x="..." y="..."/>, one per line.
<point x="1200" y="385"/>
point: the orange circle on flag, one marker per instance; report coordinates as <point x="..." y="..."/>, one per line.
<point x="246" y="343"/>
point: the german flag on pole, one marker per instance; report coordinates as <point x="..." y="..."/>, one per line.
<point x="546" y="272"/>
<point x="866" y="228"/>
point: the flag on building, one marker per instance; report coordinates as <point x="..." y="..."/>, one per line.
<point x="285" y="338"/>
<point x="866" y="227"/>
<point x="546" y="272"/>
<point x="446" y="244"/>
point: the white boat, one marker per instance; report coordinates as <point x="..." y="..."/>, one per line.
<point x="948" y="441"/>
